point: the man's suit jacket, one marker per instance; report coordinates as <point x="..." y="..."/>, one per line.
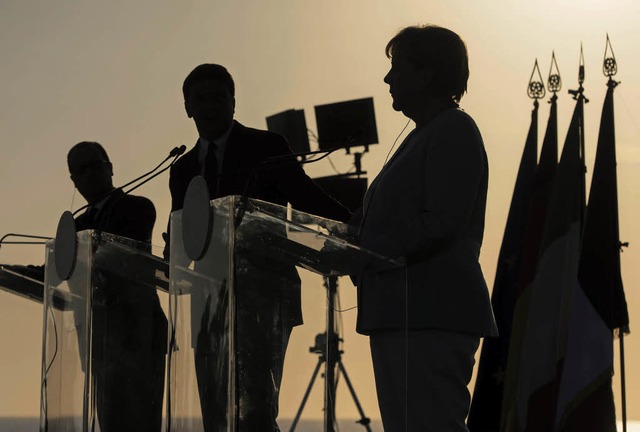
<point x="122" y="215"/>
<point x="243" y="173"/>
<point x="245" y="150"/>
<point x="427" y="206"/>
<point x="132" y="217"/>
<point x="129" y="328"/>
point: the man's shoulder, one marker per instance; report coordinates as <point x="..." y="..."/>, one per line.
<point x="136" y="203"/>
<point x="243" y="132"/>
<point x="184" y="160"/>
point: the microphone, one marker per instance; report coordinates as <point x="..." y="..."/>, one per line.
<point x="177" y="151"/>
<point x="292" y="159"/>
<point x="283" y="161"/>
<point x="26" y="236"/>
<point x="174" y="153"/>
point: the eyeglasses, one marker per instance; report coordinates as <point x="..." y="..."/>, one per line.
<point x="87" y="167"/>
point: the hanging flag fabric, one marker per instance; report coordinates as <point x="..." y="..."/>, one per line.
<point x="484" y="414"/>
<point x="600" y="275"/>
<point x="586" y="397"/>
<point x="542" y="314"/>
<point x="511" y="343"/>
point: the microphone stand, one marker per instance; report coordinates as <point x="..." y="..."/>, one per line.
<point x="174" y="153"/>
<point x="29" y="236"/>
<point x="282" y="162"/>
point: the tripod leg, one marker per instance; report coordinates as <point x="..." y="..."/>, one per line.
<point x="364" y="420"/>
<point x="306" y="396"/>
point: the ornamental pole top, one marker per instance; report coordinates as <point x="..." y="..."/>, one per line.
<point x="554" y="82"/>
<point x="535" y="89"/>
<point x="609" y="65"/>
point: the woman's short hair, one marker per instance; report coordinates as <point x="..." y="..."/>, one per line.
<point x="440" y="49"/>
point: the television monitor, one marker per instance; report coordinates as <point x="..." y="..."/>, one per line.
<point x="346" y="124"/>
<point x="292" y="125"/>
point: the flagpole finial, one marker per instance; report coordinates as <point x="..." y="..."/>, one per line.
<point x="579" y="94"/>
<point x="609" y="65"/>
<point x="536" y="90"/>
<point x="554" y="82"/>
<point x="581" y="67"/>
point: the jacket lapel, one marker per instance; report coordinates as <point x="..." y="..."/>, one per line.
<point x="372" y="189"/>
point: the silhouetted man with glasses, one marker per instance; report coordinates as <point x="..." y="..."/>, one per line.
<point x="128" y="327"/>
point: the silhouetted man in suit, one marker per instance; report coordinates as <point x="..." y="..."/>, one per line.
<point x="227" y="154"/>
<point x="129" y="328"/>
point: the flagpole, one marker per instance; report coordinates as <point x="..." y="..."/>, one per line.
<point x="609" y="69"/>
<point x="578" y="95"/>
<point x="623" y="387"/>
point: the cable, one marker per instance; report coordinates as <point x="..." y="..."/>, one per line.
<point x="337" y="309"/>
<point x="43" y="384"/>
<point x="73" y="198"/>
<point x="313" y="134"/>
<point x="624" y="102"/>
<point x="373" y="191"/>
<point x="396" y="141"/>
<point x="333" y="166"/>
<point x="406" y="353"/>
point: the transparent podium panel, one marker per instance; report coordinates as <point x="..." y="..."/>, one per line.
<point x="104" y="338"/>
<point x="233" y="310"/>
<point x="23" y="281"/>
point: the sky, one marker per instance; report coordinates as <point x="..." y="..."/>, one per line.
<point x="112" y="72"/>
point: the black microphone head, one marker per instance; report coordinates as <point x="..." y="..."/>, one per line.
<point x="177" y="151"/>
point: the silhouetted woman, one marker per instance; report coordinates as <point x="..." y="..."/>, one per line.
<point x="427" y="207"/>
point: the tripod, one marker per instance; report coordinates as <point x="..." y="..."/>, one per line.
<point x="326" y="346"/>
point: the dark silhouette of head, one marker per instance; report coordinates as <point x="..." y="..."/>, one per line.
<point x="209" y="99"/>
<point x="91" y="170"/>
<point x="434" y="60"/>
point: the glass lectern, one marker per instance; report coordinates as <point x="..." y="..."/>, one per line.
<point x="104" y="338"/>
<point x="232" y="310"/>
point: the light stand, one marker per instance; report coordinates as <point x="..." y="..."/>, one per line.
<point x="326" y="346"/>
<point x="347" y="125"/>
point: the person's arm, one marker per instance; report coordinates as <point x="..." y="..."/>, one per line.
<point x="303" y="193"/>
<point x="132" y="217"/>
<point x="141" y="219"/>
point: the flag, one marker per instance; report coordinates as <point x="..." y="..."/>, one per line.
<point x="545" y="175"/>
<point x="511" y="337"/>
<point x="484" y="414"/>
<point x="541" y="317"/>
<point x="586" y="398"/>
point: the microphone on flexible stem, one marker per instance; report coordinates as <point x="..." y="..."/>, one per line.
<point x="27" y="236"/>
<point x="174" y="153"/>
<point x="177" y="151"/>
<point x="286" y="161"/>
<point x="292" y="159"/>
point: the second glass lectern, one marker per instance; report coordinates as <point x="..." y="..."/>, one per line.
<point x="232" y="309"/>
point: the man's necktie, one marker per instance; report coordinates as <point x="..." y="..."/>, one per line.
<point x="211" y="170"/>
